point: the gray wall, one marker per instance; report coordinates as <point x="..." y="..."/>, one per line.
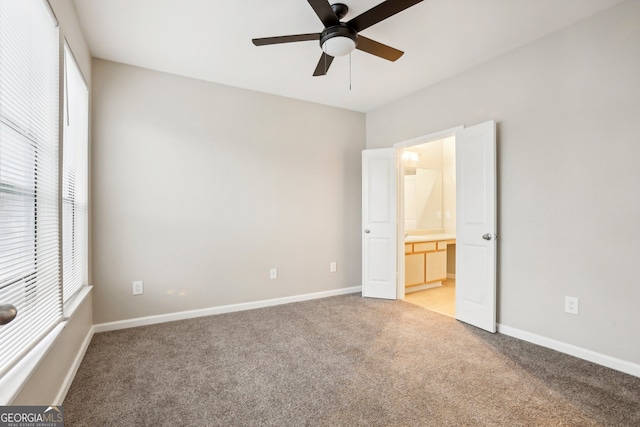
<point x="46" y="381"/>
<point x="568" y="114"/>
<point x="200" y="188"/>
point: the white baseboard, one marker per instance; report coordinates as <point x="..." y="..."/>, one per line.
<point x="182" y="315"/>
<point x="408" y="290"/>
<point x="66" y="384"/>
<point x="579" y="352"/>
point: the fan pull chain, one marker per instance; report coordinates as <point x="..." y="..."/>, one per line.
<point x="349" y="71"/>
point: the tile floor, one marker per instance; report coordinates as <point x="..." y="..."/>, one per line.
<point x="441" y="299"/>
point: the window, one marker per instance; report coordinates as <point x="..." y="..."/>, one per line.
<point x="74" y="179"/>
<point x="29" y="225"/>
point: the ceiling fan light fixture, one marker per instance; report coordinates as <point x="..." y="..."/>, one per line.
<point x="339" y="46"/>
<point x="339" y="40"/>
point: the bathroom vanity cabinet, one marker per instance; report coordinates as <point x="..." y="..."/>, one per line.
<point x="426" y="261"/>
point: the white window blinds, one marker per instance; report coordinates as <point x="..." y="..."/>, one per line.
<point x="74" y="179"/>
<point x="29" y="226"/>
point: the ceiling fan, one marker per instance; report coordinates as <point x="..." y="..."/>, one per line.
<point x="340" y="38"/>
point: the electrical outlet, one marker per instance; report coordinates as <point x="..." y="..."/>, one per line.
<point x="138" y="288"/>
<point x="333" y="267"/>
<point x="571" y="305"/>
<point x="273" y="273"/>
<point x="448" y="214"/>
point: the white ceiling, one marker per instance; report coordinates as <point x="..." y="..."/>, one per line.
<point x="211" y="40"/>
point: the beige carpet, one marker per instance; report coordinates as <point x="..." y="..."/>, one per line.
<point x="341" y="361"/>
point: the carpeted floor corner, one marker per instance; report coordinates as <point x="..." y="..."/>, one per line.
<point x="340" y="361"/>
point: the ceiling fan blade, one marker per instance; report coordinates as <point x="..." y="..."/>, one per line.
<point x="323" y="65"/>
<point x="378" y="49"/>
<point x="286" y="39"/>
<point x="379" y="13"/>
<point x="322" y="8"/>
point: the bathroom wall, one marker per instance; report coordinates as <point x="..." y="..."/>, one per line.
<point x="449" y="185"/>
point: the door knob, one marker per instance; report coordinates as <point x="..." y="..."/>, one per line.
<point x="487" y="236"/>
<point x="366" y="230"/>
<point x="8" y="312"/>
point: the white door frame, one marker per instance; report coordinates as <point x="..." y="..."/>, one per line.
<point x="400" y="147"/>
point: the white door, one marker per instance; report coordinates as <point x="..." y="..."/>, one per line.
<point x="379" y="223"/>
<point x="476" y="226"/>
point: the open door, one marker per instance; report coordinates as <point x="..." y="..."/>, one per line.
<point x="476" y="226"/>
<point x="379" y="215"/>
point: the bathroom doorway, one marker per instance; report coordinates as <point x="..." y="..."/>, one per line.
<point x="384" y="247"/>
<point x="428" y="225"/>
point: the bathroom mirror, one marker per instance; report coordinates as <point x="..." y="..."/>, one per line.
<point x="423" y="193"/>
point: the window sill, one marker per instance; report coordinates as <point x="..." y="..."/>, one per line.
<point x="72" y="305"/>
<point x="13" y="381"/>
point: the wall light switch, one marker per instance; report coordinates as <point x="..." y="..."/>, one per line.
<point x="273" y="273"/>
<point x="333" y="267"/>
<point x="448" y="214"/>
<point x="439" y="215"/>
